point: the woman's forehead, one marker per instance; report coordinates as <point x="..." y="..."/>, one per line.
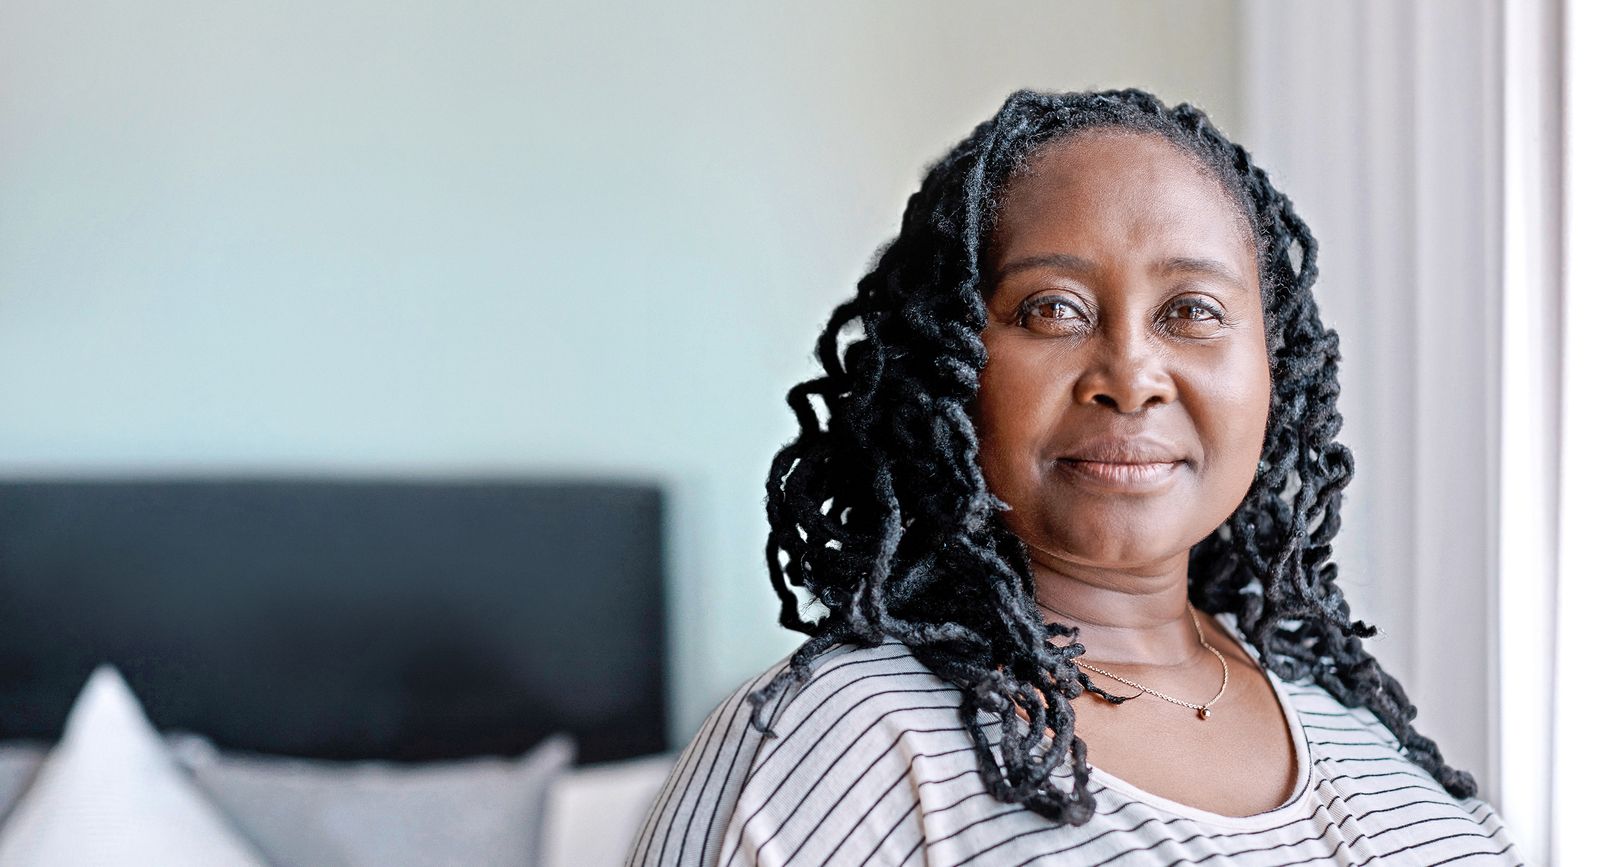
<point x="1118" y="193"/>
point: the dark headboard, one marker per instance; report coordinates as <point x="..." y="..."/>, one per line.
<point x="341" y="619"/>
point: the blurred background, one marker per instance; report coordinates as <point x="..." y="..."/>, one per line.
<point x="504" y="241"/>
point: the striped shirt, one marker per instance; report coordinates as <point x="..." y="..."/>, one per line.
<point x="871" y="765"/>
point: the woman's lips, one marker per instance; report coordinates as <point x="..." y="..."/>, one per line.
<point x="1124" y="478"/>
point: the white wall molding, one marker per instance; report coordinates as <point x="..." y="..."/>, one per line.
<point x="1530" y="420"/>
<point x="1575" y="757"/>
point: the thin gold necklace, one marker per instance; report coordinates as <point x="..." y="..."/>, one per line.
<point x="1201" y="710"/>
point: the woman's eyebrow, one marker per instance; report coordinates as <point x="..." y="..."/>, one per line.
<point x="1069" y="262"/>
<point x="1062" y="261"/>
<point x="1209" y="267"/>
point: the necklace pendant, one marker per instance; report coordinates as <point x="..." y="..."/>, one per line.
<point x="1204" y="713"/>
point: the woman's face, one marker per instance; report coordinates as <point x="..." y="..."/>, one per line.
<point x="1124" y="404"/>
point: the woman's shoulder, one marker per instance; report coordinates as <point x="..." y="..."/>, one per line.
<point x="847" y="691"/>
<point x="847" y="679"/>
<point x="841" y="724"/>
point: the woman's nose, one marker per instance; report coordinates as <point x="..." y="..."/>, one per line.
<point x="1127" y="372"/>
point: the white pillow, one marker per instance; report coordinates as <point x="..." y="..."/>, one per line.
<point x="594" y="810"/>
<point x="109" y="793"/>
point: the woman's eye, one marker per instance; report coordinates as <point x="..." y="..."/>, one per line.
<point x="1050" y="312"/>
<point x="1195" y="310"/>
<point x="1054" y="310"/>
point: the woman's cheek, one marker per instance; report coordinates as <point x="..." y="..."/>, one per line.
<point x="1018" y="411"/>
<point x="1231" y="419"/>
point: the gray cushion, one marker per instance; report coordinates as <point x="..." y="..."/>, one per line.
<point x="19" y="762"/>
<point x="484" y="812"/>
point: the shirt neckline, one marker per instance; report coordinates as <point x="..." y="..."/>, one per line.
<point x="1294" y="807"/>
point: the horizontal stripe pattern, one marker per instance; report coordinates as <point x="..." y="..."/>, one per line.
<point x="871" y="765"/>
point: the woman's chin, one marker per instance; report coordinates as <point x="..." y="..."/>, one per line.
<point x="1126" y="541"/>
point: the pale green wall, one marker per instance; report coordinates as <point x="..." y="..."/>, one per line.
<point x="374" y="237"/>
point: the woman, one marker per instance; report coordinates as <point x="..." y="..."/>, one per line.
<point x="1074" y="500"/>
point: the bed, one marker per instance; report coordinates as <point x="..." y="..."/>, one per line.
<point x="345" y="623"/>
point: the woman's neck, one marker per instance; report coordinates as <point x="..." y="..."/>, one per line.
<point x="1126" y="617"/>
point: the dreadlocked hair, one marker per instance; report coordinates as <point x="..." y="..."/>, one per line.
<point x="882" y="515"/>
